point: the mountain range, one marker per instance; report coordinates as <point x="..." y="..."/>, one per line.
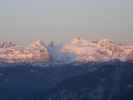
<point x="77" y="70"/>
<point x="78" y="50"/>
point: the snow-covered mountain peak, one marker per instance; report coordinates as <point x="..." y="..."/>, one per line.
<point x="105" y="43"/>
<point x="37" y="51"/>
<point x="38" y="44"/>
<point x="108" y="45"/>
<point x="7" y="44"/>
<point x="79" y="41"/>
<point x="76" y="40"/>
<point x="106" y="40"/>
<point x="102" y="50"/>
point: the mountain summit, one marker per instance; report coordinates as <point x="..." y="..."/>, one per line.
<point x="38" y="44"/>
<point x="7" y="44"/>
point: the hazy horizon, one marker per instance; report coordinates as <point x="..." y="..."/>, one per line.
<point x="61" y="20"/>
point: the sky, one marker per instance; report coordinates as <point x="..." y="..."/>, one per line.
<point x="61" y="20"/>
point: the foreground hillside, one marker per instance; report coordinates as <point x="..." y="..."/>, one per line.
<point x="93" y="81"/>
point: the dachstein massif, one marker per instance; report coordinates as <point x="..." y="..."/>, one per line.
<point x="77" y="70"/>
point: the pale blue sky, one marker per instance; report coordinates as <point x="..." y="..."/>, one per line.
<point x="61" y="20"/>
